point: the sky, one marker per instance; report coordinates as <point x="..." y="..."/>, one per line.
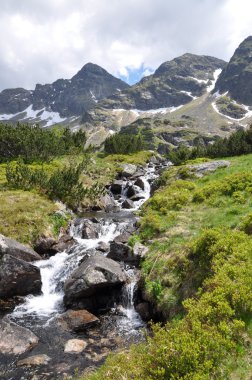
<point x="43" y="40"/>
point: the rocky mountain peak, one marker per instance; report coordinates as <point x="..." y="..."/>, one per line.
<point x="236" y="78"/>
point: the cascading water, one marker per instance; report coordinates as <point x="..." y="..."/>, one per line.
<point x="40" y="313"/>
<point x="55" y="271"/>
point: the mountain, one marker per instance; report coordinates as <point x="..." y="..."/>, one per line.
<point x="63" y="99"/>
<point x="236" y="77"/>
<point x="174" y="83"/>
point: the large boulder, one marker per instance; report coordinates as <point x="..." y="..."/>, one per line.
<point x="128" y="170"/>
<point x="12" y="247"/>
<point x="95" y="284"/>
<point x="116" y="187"/>
<point x="77" y="320"/>
<point x="128" y="204"/>
<point x="18" y="278"/>
<point x="140" y="183"/>
<point x="122" y="252"/>
<point x="48" y="246"/>
<point x="15" y="339"/>
<point x="108" y="204"/>
<point x="90" y="230"/>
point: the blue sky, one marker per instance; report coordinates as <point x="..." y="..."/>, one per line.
<point x="134" y="75"/>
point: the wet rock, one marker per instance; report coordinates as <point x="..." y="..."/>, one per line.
<point x="140" y="183"/>
<point x="75" y="346"/>
<point x="144" y="311"/>
<point x="137" y="198"/>
<point x="116" y="187"/>
<point x="90" y="230"/>
<point x="131" y="191"/>
<point x="65" y="242"/>
<point x="139" y="173"/>
<point x="48" y="246"/>
<point x="44" y="245"/>
<point x="15" y="339"/>
<point x="95" y="283"/>
<point x="18" y="278"/>
<point x="123" y="237"/>
<point x="108" y="204"/>
<point x="34" y="361"/>
<point x="77" y="320"/>
<point x="102" y="246"/>
<point x="121" y="252"/>
<point x="128" y="170"/>
<point x="128" y="204"/>
<point x="15" y="249"/>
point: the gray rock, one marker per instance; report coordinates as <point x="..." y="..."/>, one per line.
<point x="121" y="252"/>
<point x="77" y="320"/>
<point x="44" y="245"/>
<point x="199" y="170"/>
<point x="65" y="242"/>
<point x="34" y="360"/>
<point x="128" y="170"/>
<point x="108" y="204"/>
<point x="140" y="250"/>
<point x="102" y="246"/>
<point x="15" y="339"/>
<point x="140" y="183"/>
<point x="18" y="278"/>
<point x="116" y="187"/>
<point x="91" y="281"/>
<point x="90" y="230"/>
<point x="75" y="346"/>
<point x="15" y="249"/>
<point x="131" y="191"/>
<point x="123" y="237"/>
<point x="128" y="204"/>
<point x="144" y="311"/>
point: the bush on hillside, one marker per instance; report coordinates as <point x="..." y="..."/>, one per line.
<point x="33" y="143"/>
<point x="123" y="144"/>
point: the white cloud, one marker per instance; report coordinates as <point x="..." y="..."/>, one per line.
<point x="43" y="40"/>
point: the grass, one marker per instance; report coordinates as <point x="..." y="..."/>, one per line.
<point x="178" y="266"/>
<point x="173" y="225"/>
<point x="24" y="215"/>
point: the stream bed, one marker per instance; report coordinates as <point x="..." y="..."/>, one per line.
<point x="119" y="325"/>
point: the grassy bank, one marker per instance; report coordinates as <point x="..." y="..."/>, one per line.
<point x="198" y="275"/>
<point x="24" y="215"/>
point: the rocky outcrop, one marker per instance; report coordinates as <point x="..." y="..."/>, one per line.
<point x="108" y="204"/>
<point x="236" y="77"/>
<point x="77" y="320"/>
<point x="95" y="284"/>
<point x="48" y="246"/>
<point x="199" y="170"/>
<point x="128" y="170"/>
<point x="18" y="278"/>
<point x="15" y="339"/>
<point x="13" y="248"/>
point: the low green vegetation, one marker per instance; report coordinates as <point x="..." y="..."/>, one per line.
<point x="238" y="143"/>
<point x="123" y="144"/>
<point x="197" y="275"/>
<point x="33" y="143"/>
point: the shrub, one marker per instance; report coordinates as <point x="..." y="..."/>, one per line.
<point x="123" y="144"/>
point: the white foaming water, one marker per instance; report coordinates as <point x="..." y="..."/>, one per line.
<point x="131" y="320"/>
<point x="55" y="271"/>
